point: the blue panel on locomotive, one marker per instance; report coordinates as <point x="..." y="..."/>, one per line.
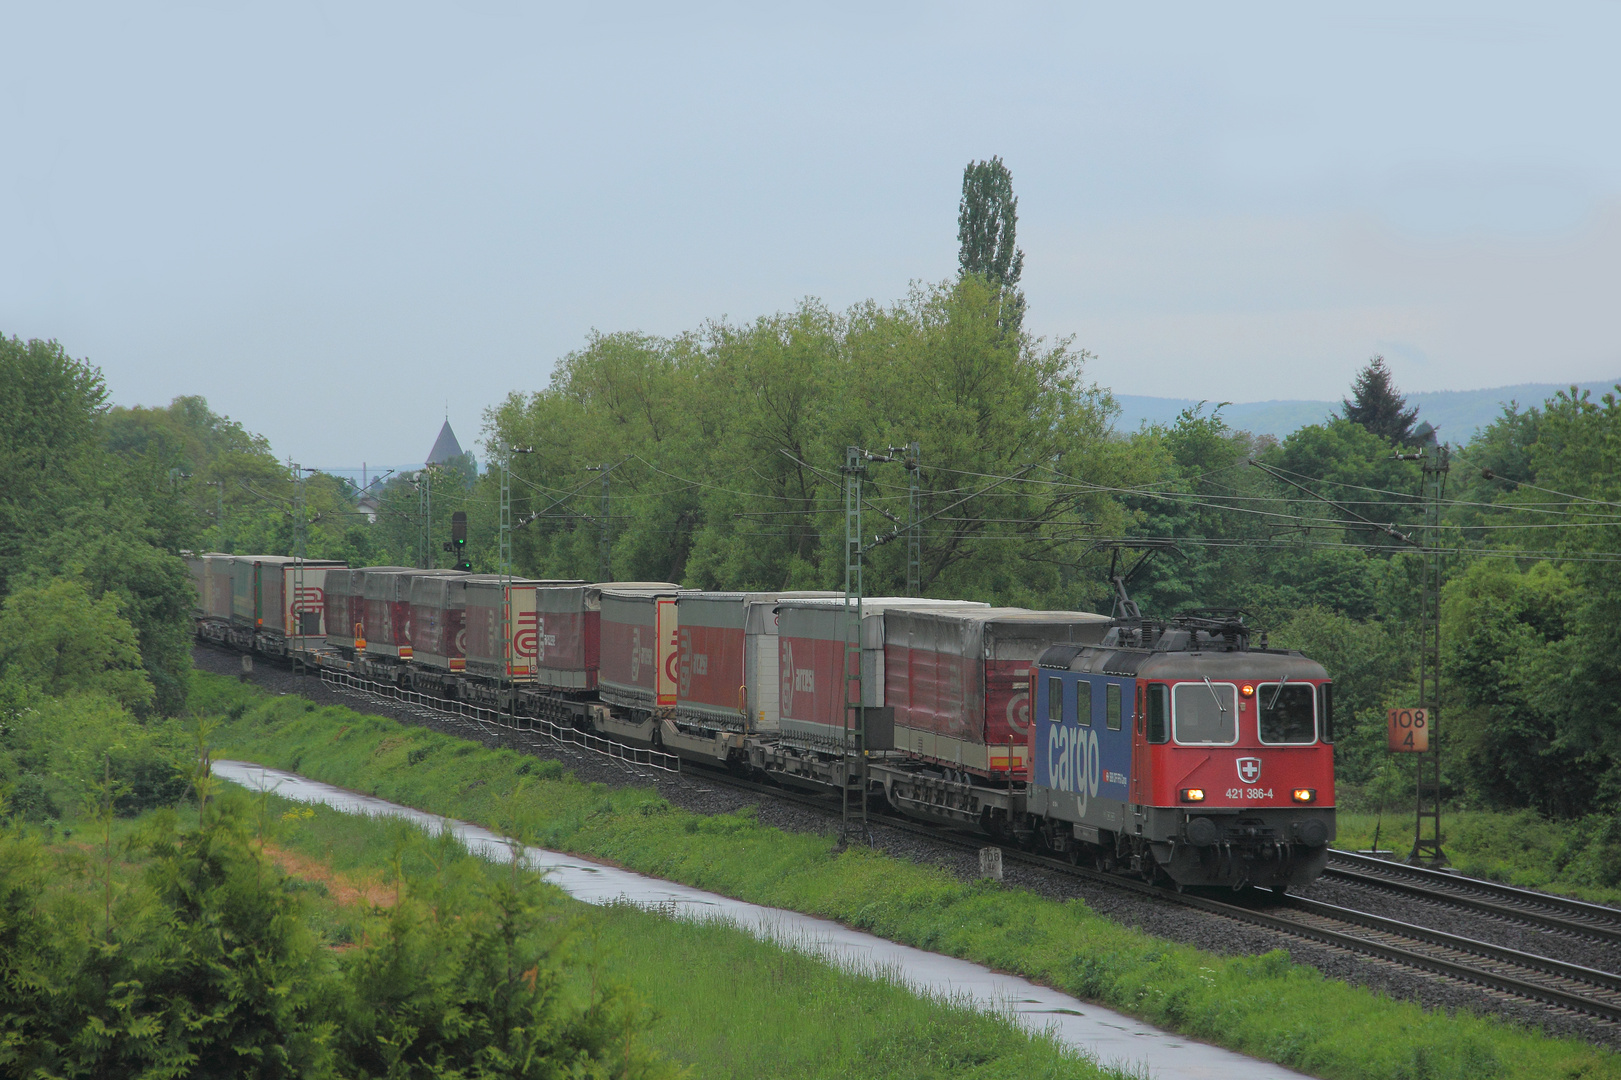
<point x="1081" y="757"/>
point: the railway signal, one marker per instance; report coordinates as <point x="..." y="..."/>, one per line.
<point x="458" y="541"/>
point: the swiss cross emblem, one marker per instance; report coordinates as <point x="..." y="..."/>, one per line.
<point x="1249" y="769"/>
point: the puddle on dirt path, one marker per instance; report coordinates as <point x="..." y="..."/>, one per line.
<point x="1111" y="1037"/>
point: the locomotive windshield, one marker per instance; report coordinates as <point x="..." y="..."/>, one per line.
<point x="1205" y="712"/>
<point x="1286" y="713"/>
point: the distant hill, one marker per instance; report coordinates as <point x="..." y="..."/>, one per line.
<point x="1456" y="413"/>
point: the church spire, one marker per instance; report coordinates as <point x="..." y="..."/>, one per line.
<point x="445" y="446"/>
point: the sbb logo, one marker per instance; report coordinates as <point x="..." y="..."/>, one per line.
<point x="805" y="680"/>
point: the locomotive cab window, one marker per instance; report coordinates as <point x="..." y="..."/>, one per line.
<point x="1286" y="713"/>
<point x="1159" y="713"/>
<point x="1325" y="710"/>
<point x="1055" y="701"/>
<point x="1111" y="706"/>
<point x="1204" y="713"/>
<point x="1083" y="703"/>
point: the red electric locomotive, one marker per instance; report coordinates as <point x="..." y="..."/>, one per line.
<point x="1181" y="752"/>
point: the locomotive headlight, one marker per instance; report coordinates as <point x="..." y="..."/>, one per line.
<point x="1193" y="794"/>
<point x="1248" y="690"/>
<point x="1305" y="794"/>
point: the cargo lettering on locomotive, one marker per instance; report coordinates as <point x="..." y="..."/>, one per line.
<point x="1073" y="761"/>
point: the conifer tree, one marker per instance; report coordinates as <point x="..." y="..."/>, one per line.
<point x="1375" y="404"/>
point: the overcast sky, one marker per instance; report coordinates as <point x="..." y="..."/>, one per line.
<point x="336" y="222"/>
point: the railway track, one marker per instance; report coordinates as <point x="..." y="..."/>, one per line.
<point x="1525" y="907"/>
<point x="1553" y="982"/>
<point x="1539" y="978"/>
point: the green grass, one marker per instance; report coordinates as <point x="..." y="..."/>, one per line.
<point x="1578" y="858"/>
<point x="1265" y="1006"/>
<point x="725" y="1003"/>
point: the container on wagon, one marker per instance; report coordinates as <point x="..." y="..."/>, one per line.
<point x="346" y="604"/>
<point x="727" y="662"/>
<point x="199" y="581"/>
<point x="297" y="593"/>
<point x="439" y="621"/>
<point x="266" y="596"/>
<point x="812" y="694"/>
<point x="640" y="639"/>
<point x="386" y="620"/>
<point x="494" y="602"/>
<point x="209" y="572"/>
<point x="568" y="635"/>
<point x="958" y="680"/>
<point x="217" y="586"/>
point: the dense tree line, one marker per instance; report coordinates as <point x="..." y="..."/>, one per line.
<point x="74" y="508"/>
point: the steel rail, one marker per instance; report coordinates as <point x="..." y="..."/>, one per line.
<point x="1558" y="913"/>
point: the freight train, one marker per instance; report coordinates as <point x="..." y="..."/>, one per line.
<point x="1183" y="750"/>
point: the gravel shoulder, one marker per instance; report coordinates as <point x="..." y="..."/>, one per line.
<point x="704" y="794"/>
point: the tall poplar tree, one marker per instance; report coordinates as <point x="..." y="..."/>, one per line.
<point x="1375" y="404"/>
<point x="988" y="222"/>
<point x="987" y="231"/>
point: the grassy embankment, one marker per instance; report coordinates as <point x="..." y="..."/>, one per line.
<point x="1578" y="858"/>
<point x="723" y="1003"/>
<point x="726" y="1004"/>
<point x="1264" y="1005"/>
